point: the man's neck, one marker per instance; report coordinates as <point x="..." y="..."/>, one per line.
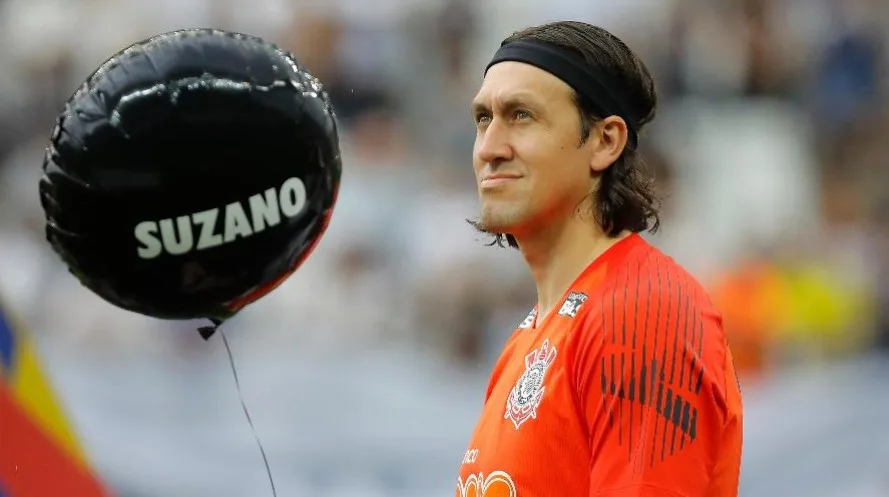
<point x="557" y="256"/>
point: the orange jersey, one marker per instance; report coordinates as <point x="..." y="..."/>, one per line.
<point x="626" y="390"/>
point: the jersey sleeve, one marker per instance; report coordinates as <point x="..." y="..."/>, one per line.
<point x="651" y="379"/>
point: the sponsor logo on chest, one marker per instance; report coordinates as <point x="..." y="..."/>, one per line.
<point x="494" y="484"/>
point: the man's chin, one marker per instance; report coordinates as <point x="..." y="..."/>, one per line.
<point x="498" y="219"/>
<point x="492" y="227"/>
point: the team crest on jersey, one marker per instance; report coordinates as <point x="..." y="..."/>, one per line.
<point x="572" y="304"/>
<point x="529" y="321"/>
<point x="525" y="397"/>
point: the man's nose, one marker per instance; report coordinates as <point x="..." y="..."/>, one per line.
<point x="493" y="144"/>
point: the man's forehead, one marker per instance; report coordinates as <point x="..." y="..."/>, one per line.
<point x="517" y="80"/>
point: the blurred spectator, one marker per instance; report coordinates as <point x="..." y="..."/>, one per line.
<point x="754" y="301"/>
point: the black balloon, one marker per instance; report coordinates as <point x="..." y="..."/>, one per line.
<point x="191" y="173"/>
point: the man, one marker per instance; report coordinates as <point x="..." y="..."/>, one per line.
<point x="619" y="383"/>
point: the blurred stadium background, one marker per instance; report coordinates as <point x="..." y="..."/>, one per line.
<point x="365" y="372"/>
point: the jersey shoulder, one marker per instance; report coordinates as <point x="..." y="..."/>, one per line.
<point x="652" y="292"/>
<point x="648" y="274"/>
<point x="650" y="308"/>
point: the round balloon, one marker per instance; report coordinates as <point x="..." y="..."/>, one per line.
<point x="191" y="174"/>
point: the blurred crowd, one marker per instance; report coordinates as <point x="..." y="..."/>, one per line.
<point x="771" y="148"/>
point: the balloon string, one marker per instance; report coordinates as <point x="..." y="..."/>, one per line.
<point x="265" y="459"/>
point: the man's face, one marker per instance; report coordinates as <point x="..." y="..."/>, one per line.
<point x="529" y="163"/>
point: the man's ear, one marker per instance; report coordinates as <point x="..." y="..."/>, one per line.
<point x="608" y="139"/>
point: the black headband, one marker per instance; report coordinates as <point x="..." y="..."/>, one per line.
<point x="602" y="92"/>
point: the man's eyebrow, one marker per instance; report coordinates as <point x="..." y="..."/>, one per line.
<point x="479" y="108"/>
<point x="509" y="103"/>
